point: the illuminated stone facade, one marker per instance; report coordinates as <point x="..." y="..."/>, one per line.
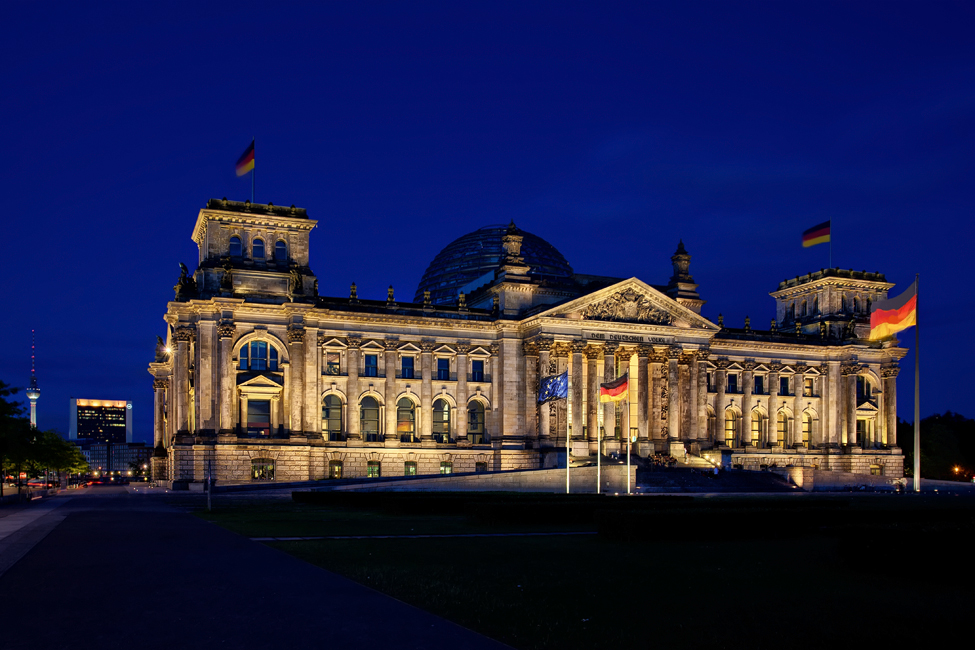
<point x="260" y="378"/>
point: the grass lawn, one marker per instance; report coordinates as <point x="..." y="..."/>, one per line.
<point x="716" y="573"/>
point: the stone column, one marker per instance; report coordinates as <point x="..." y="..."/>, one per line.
<point x="821" y="389"/>
<point x="389" y="392"/>
<point x="656" y="398"/>
<point x="797" y="406"/>
<point x="226" y="376"/>
<point x="693" y="408"/>
<point x="159" y="416"/>
<point x="747" y="380"/>
<point x="243" y="413"/>
<point x="181" y="370"/>
<point x="890" y="390"/>
<point x="773" y="402"/>
<point x="496" y="427"/>
<point x="531" y="390"/>
<point x="426" y="391"/>
<point x="592" y="399"/>
<point x="461" y="427"/>
<point x="312" y="397"/>
<point x="609" y="374"/>
<point x="352" y="407"/>
<point x="832" y="405"/>
<point x="643" y="447"/>
<point x="578" y="417"/>
<point x="721" y="384"/>
<point x="560" y="407"/>
<point x="673" y="407"/>
<point x="702" y="393"/>
<point x="850" y="373"/>
<point x="275" y="413"/>
<point x="296" y="344"/>
<point x="544" y="417"/>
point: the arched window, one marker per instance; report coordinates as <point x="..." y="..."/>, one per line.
<point x="406" y="420"/>
<point x="782" y="429"/>
<point x="843" y="304"/>
<point x="332" y="417"/>
<point x="759" y="429"/>
<point x="236" y="250"/>
<point x="802" y="311"/>
<point x="816" y="305"/>
<point x="475" y="423"/>
<point x="856" y="305"/>
<point x="730" y="427"/>
<point x="791" y="313"/>
<point x="806" y="430"/>
<point x="369" y="419"/>
<point x="258" y="355"/>
<point x="280" y="251"/>
<point x="441" y="421"/>
<point x="257" y="249"/>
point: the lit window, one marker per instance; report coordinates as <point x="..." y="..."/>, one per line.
<point x="782" y="429"/>
<point x="441" y="421"/>
<point x="262" y="469"/>
<point x="730" y="427"/>
<point x="876" y="470"/>
<point x="443" y="369"/>
<point x="236" y="250"/>
<point x="332" y="417"/>
<point x="806" y="429"/>
<point x="446" y="467"/>
<point x="280" y="251"/>
<point x="257" y="249"/>
<point x="369" y="419"/>
<point x="335" y="469"/>
<point x="807" y="387"/>
<point x="332" y="363"/>
<point x="373" y="469"/>
<point x="406" y="420"/>
<point x="259" y="417"/>
<point x="407" y="368"/>
<point x="409" y="468"/>
<point x="477" y="370"/>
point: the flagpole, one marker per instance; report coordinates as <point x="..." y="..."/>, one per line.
<point x="628" y="436"/>
<point x="254" y="169"/>
<point x="568" y="451"/>
<point x="830" y="243"/>
<point x="917" y="387"/>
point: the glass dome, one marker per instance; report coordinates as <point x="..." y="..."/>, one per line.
<point x="476" y="256"/>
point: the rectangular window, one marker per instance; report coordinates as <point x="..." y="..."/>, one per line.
<point x="759" y="385"/>
<point x="372" y="366"/>
<point x="258" y="355"/>
<point x="407" y="368"/>
<point x="409" y="468"/>
<point x="262" y="469"/>
<point x="480" y="468"/>
<point x="446" y="467"/>
<point x="373" y="469"/>
<point x="331" y="363"/>
<point x="783" y="385"/>
<point x="259" y="417"/>
<point x="335" y="469"/>
<point x="443" y="369"/>
<point x="807" y="387"/>
<point x="876" y="470"/>
<point x="732" y="383"/>
<point x="477" y="370"/>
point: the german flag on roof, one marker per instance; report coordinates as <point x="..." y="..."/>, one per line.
<point x="246" y="161"/>
<point x="615" y="391"/>
<point x="891" y="316"/>
<point x="816" y="235"/>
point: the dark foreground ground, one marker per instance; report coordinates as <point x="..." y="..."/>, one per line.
<point x="790" y="571"/>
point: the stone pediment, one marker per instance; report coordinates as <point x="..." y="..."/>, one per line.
<point x="630" y="301"/>
<point x="261" y="381"/>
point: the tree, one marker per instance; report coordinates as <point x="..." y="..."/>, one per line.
<point x="14" y="429"/>
<point x="947" y="442"/>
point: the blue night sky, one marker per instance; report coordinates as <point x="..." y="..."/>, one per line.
<point x="611" y="130"/>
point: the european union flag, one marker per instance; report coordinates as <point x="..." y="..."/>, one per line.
<point x="554" y="387"/>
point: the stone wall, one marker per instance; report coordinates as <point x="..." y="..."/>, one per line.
<point x="889" y="462"/>
<point x="583" y="481"/>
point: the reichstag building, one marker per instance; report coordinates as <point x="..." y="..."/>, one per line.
<point x="260" y="378"/>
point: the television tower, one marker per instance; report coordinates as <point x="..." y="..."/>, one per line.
<point x="33" y="392"/>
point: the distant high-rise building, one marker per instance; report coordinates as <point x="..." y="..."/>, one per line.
<point x="100" y="420"/>
<point x="33" y="392"/>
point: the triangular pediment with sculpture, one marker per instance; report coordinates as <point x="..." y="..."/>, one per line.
<point x="630" y="301"/>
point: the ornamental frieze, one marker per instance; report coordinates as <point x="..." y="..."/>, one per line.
<point x="628" y="306"/>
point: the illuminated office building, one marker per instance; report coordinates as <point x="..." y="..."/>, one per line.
<point x="100" y="420"/>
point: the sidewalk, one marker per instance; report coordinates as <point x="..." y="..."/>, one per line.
<point x="130" y="567"/>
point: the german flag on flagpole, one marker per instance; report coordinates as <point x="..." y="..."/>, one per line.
<point x="615" y="391"/>
<point x="816" y="235"/>
<point x="246" y="161"/>
<point x="887" y="317"/>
